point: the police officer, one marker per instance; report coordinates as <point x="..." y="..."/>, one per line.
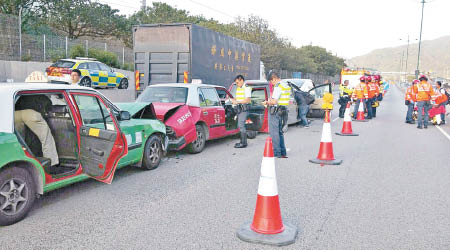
<point x="278" y="113"/>
<point x="344" y="97"/>
<point x="242" y="101"/>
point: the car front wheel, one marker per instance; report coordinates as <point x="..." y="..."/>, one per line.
<point x="197" y="146"/>
<point x="17" y="195"/>
<point x="123" y="84"/>
<point x="153" y="153"/>
<point x="86" y="82"/>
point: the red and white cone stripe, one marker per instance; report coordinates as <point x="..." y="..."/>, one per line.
<point x="347" y="125"/>
<point x="267" y="218"/>
<point x="360" y="115"/>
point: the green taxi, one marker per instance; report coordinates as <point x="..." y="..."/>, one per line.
<point x="92" y="136"/>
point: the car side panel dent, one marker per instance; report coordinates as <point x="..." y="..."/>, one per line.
<point x="183" y="122"/>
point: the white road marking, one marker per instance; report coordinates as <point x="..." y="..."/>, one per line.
<point x="335" y="119"/>
<point x="443" y="132"/>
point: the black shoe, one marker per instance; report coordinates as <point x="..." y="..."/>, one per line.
<point x="425" y="126"/>
<point x="283" y="157"/>
<point x="341" y="116"/>
<point x="240" y="145"/>
<point x="243" y="143"/>
<point x="419" y="127"/>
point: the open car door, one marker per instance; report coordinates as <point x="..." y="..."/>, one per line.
<point x="102" y="144"/>
<point x="315" y="110"/>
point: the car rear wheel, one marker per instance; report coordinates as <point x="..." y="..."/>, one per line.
<point x="153" y="153"/>
<point x="252" y="134"/>
<point x="198" y="145"/>
<point x="123" y="84"/>
<point x="17" y="195"/>
<point x="86" y="82"/>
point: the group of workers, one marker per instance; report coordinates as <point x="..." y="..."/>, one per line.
<point x="368" y="92"/>
<point x="429" y="102"/>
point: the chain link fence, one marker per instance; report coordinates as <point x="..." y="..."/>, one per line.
<point x="49" y="47"/>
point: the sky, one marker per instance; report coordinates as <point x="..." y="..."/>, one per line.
<point x="347" y="28"/>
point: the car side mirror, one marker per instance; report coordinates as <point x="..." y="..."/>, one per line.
<point x="124" y="116"/>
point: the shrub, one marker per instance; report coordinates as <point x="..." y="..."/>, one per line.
<point x="105" y="57"/>
<point x="77" y="51"/>
<point x="57" y="54"/>
<point x="26" y="57"/>
<point x="128" y="66"/>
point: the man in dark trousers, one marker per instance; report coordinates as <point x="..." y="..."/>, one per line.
<point x="242" y="101"/>
<point x="344" y="97"/>
<point x="278" y="102"/>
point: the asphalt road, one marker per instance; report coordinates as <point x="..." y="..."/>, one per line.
<point x="391" y="192"/>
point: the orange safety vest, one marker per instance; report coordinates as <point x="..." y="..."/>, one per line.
<point x="438" y="97"/>
<point x="360" y="91"/>
<point x="410" y="95"/>
<point x="373" y="89"/>
<point x="423" y="91"/>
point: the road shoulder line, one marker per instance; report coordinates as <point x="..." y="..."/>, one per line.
<point x="443" y="132"/>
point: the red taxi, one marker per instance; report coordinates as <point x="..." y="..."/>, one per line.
<point x="195" y="113"/>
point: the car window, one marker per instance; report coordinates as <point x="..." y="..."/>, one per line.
<point x="93" y="112"/>
<point x="320" y="91"/>
<point x="93" y="66"/>
<point x="83" y="66"/>
<point x="258" y="96"/>
<point x="164" y="94"/>
<point x="63" y="64"/>
<point x="210" y="97"/>
<point x="103" y="67"/>
<point x="222" y="93"/>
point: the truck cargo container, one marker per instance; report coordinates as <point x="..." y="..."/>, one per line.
<point x="179" y="53"/>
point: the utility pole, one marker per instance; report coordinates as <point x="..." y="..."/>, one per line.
<point x="20" y="34"/>
<point x="420" y="40"/>
<point x="406" y="64"/>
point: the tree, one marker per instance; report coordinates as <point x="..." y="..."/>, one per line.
<point x="80" y="18"/>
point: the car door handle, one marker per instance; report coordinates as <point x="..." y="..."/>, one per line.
<point x="96" y="152"/>
<point x="205" y="112"/>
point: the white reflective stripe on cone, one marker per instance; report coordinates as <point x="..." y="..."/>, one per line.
<point x="268" y="180"/>
<point x="326" y="133"/>
<point x="347" y="117"/>
<point x="361" y="106"/>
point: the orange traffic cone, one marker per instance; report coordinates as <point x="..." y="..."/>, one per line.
<point x="267" y="226"/>
<point x="360" y="114"/>
<point x="347" y="125"/>
<point x="326" y="156"/>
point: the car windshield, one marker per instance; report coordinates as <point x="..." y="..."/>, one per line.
<point x="164" y="94"/>
<point x="63" y="64"/>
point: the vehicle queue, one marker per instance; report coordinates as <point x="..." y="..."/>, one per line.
<point x="58" y="134"/>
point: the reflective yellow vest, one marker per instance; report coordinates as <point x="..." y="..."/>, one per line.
<point x="345" y="90"/>
<point x="240" y="93"/>
<point x="285" y="95"/>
